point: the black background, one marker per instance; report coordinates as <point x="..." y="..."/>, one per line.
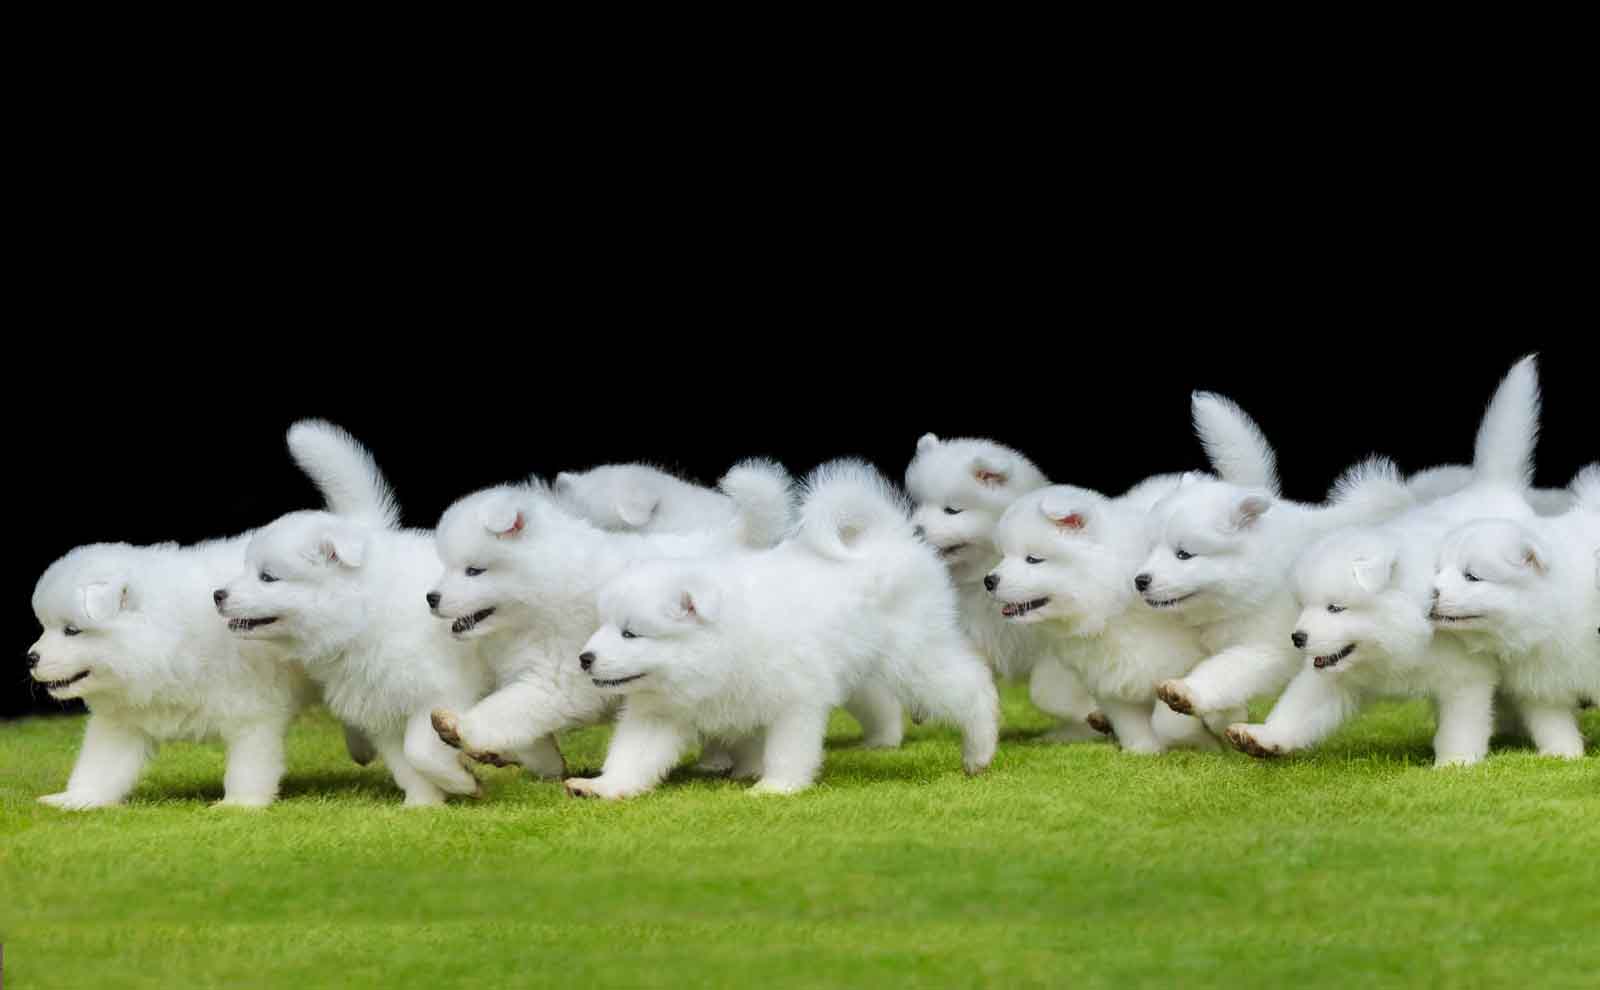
<point x="479" y="315"/>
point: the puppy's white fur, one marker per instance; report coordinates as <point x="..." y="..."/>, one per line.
<point x="960" y="488"/>
<point x="1223" y="553"/>
<point x="344" y="590"/>
<point x="639" y="498"/>
<point x="152" y="662"/>
<point x="530" y="597"/>
<point x="758" y="647"/>
<point x="1447" y="479"/>
<point x="1365" y="595"/>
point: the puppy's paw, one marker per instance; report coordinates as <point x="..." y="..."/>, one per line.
<point x="1152" y="747"/>
<point x="1177" y="697"/>
<point x="596" y="787"/>
<point x="1563" y="752"/>
<point x="422" y="800"/>
<point x="1443" y="760"/>
<point x="245" y="801"/>
<point x="448" y="727"/>
<point x="881" y="740"/>
<point x="68" y="801"/>
<point x="1244" y="740"/>
<point x="1099" y="723"/>
<point x="765" y="787"/>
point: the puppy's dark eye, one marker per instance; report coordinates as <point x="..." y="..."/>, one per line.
<point x="474" y="571"/>
<point x="1182" y="554"/>
<point x="1471" y="577"/>
<point x="267" y="578"/>
<point x="951" y="510"/>
<point x="71" y="631"/>
<point x="628" y="634"/>
<point x="1033" y="560"/>
<point x="1335" y="609"/>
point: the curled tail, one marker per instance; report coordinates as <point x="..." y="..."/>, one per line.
<point x="1235" y="445"/>
<point x="1510" y="428"/>
<point x="847" y="506"/>
<point x="1367" y="493"/>
<point x="344" y="472"/>
<point x="763" y="499"/>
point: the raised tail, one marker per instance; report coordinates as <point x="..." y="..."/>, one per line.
<point x="344" y="472"/>
<point x="1235" y="445"/>
<point x="1367" y="493"/>
<point x="1586" y="489"/>
<point x="763" y="498"/>
<point x="847" y="506"/>
<point x="1510" y="429"/>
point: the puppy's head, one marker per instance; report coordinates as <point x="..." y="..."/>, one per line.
<point x="1210" y="548"/>
<point x="483" y="542"/>
<point x="1494" y="577"/>
<point x="653" y="627"/>
<point x="961" y="488"/>
<point x="617" y="497"/>
<point x="1354" y="606"/>
<point x="88" y="605"/>
<point x="1065" y="556"/>
<point x="303" y="581"/>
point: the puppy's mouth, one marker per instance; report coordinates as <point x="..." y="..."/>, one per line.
<point x="245" y="625"/>
<point x="1437" y="616"/>
<point x="467" y="623"/>
<point x="1332" y="659"/>
<point x="952" y="550"/>
<point x="64" y="683"/>
<point x="1016" y="610"/>
<point x="615" y="681"/>
<point x="1168" y="602"/>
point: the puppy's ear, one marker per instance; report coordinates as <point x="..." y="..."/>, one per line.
<point x="992" y="472"/>
<point x="1060" y="511"/>
<point x="342" y="545"/>
<point x="1532" y="555"/>
<point x="1373" y="574"/>
<point x="699" y="601"/>
<point x="635" y="507"/>
<point x="926" y="443"/>
<point x="1248" y="510"/>
<point x="104" y="600"/>
<point x="503" y="518"/>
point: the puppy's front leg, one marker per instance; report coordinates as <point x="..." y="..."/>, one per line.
<point x="1132" y="724"/>
<point x="108" y="766"/>
<point x="1230" y="679"/>
<point x="1554" y="728"/>
<point x="419" y="790"/>
<point x="1313" y="705"/>
<point x="255" y="765"/>
<point x="643" y="748"/>
<point x="793" y="752"/>
<point x="509" y="720"/>
<point x="1466" y="720"/>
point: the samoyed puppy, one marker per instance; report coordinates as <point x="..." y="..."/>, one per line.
<point x="960" y="487"/>
<point x="1435" y="483"/>
<point x="1365" y="594"/>
<point x="343" y="589"/>
<point x="1222" y="556"/>
<point x="1524" y="592"/>
<point x="639" y="498"/>
<point x="1068" y="559"/>
<point x="520" y="577"/>
<point x="758" y="647"/>
<point x="130" y="630"/>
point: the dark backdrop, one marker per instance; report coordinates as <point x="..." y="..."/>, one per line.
<point x="473" y="326"/>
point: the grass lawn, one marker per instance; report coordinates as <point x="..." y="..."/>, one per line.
<point x="1071" y="866"/>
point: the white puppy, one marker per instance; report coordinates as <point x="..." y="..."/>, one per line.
<point x="1447" y="479"/>
<point x="344" y="590"/>
<point x="1222" y="558"/>
<point x="521" y="573"/>
<point x="638" y="498"/>
<point x="1365" y="594"/>
<point x="1069" y="556"/>
<point x="960" y="488"/>
<point x="757" y="647"/>
<point x="1523" y="591"/>
<point x="130" y="630"/>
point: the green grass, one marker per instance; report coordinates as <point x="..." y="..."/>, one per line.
<point x="1073" y="866"/>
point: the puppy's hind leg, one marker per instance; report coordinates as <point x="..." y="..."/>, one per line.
<point x="255" y="765"/>
<point x="956" y="686"/>
<point x="1554" y="728"/>
<point x="793" y="752"/>
<point x="431" y="758"/>
<point x="1056" y="689"/>
<point x="108" y="766"/>
<point x="876" y="708"/>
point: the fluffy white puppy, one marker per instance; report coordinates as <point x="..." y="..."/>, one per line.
<point x="1365" y="595"/>
<point x="639" y="498"/>
<point x="1523" y="591"/>
<point x="521" y="573"/>
<point x="343" y="590"/>
<point x="758" y="647"/>
<point x="960" y="488"/>
<point x="1447" y="479"/>
<point x="1222" y="557"/>
<point x="130" y="630"/>
<point x="1069" y="556"/>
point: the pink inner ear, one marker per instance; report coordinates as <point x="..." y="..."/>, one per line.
<point x="516" y="525"/>
<point x="989" y="477"/>
<point x="1074" y="521"/>
<point x="687" y="604"/>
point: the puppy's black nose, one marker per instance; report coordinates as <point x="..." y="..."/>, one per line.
<point x="918" y="532"/>
<point x="33" y="660"/>
<point x="991" y="581"/>
<point x="1436" y="594"/>
<point x="1142" y="582"/>
<point x="1299" y="640"/>
<point x="219" y="596"/>
<point x="433" y="599"/>
<point x="586" y="660"/>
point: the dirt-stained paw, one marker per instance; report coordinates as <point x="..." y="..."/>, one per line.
<point x="1243" y="740"/>
<point x="448" y="727"/>
<point x="1176" y="697"/>
<point x="580" y="787"/>
<point x="1099" y="723"/>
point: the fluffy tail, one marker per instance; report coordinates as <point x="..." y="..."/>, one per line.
<point x="763" y="496"/>
<point x="1586" y="489"/>
<point x="1235" y="445"/>
<point x="1510" y="428"/>
<point x="847" y="506"/>
<point x="1367" y="493"/>
<point x="344" y="472"/>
